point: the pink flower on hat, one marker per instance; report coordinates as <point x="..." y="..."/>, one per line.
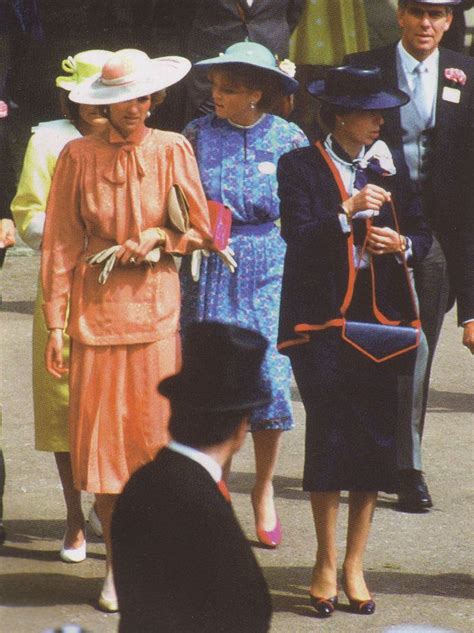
<point x="456" y="75"/>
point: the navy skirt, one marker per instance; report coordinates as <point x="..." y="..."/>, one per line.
<point x="351" y="415"/>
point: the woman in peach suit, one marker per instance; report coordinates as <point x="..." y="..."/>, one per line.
<point x="111" y="190"/>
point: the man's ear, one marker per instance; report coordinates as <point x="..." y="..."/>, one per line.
<point x="449" y="21"/>
<point x="240" y="434"/>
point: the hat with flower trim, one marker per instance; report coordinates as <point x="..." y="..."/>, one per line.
<point x="257" y="55"/>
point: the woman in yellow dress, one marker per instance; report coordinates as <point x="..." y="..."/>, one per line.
<point x="327" y="31"/>
<point x="51" y="396"/>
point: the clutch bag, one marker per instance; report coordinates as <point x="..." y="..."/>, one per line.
<point x="378" y="341"/>
<point x="178" y="209"/>
<point x="221" y="223"/>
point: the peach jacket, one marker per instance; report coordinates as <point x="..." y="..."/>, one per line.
<point x="105" y="190"/>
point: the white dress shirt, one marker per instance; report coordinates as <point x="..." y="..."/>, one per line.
<point x="419" y="115"/>
<point x="207" y="462"/>
<point x="408" y="65"/>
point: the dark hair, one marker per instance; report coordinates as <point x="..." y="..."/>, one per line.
<point x="69" y="109"/>
<point x="328" y="113"/>
<point x="200" y="429"/>
<point x="156" y="99"/>
<point x="253" y="78"/>
<point x="402" y="4"/>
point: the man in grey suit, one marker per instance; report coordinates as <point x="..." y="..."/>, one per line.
<point x="219" y="23"/>
<point x="436" y="133"/>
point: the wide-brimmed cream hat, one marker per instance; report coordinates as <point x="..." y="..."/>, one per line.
<point x="129" y="74"/>
<point x="82" y="67"/>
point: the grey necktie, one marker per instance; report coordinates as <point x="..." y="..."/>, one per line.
<point x="421" y="94"/>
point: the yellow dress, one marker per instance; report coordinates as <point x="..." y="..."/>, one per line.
<point x="328" y="30"/>
<point x="50" y="396"/>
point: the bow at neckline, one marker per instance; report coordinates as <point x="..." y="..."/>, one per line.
<point x="126" y="160"/>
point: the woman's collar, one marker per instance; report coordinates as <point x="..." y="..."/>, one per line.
<point x="337" y="152"/>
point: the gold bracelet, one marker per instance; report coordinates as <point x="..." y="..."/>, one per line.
<point x="161" y="236"/>
<point x="346" y="213"/>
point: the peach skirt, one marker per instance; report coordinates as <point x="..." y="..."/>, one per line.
<point x="117" y="418"/>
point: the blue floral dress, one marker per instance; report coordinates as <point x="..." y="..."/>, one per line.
<point x="238" y="168"/>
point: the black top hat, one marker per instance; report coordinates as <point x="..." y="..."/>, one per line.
<point x="357" y="88"/>
<point x="221" y="369"/>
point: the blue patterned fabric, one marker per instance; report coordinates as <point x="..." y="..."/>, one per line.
<point x="238" y="168"/>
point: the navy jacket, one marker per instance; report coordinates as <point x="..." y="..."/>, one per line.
<point x="316" y="268"/>
<point x="449" y="201"/>
<point x="181" y="560"/>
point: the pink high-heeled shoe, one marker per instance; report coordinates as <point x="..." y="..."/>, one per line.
<point x="269" y="538"/>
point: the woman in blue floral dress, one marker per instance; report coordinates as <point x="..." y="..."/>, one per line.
<point x="237" y="150"/>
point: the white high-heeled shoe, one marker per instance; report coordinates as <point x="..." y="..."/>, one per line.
<point x="109" y="605"/>
<point x="94" y="522"/>
<point x="108" y="601"/>
<point x="73" y="555"/>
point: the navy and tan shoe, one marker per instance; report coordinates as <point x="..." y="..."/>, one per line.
<point x="324" y="607"/>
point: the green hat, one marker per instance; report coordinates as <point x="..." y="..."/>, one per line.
<point x="81" y="67"/>
<point x="253" y="54"/>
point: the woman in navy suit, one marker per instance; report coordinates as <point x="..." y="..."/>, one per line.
<point x="333" y="196"/>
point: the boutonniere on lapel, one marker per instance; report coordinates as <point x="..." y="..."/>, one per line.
<point x="457" y="78"/>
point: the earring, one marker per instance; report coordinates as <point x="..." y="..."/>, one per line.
<point x="148" y="114"/>
<point x="343" y="123"/>
<point x="253" y="105"/>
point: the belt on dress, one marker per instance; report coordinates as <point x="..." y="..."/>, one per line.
<point x="252" y="229"/>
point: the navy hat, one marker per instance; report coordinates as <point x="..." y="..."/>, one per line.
<point x="258" y="56"/>
<point x="357" y="88"/>
<point x="221" y="369"/>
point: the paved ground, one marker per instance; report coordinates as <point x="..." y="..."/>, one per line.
<point x="418" y="565"/>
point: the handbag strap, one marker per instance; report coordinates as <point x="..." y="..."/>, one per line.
<point x="354" y="270"/>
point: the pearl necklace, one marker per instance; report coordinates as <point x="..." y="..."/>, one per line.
<point x="247" y="127"/>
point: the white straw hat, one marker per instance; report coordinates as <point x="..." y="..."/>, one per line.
<point x="129" y="74"/>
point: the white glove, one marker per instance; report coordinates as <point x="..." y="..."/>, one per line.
<point x="108" y="256"/>
<point x="196" y="259"/>
<point x="227" y="256"/>
<point x="101" y="256"/>
<point x="107" y="269"/>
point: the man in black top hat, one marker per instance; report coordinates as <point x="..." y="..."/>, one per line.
<point x="435" y="131"/>
<point x="181" y="561"/>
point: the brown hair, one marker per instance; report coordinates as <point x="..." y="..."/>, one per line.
<point x="157" y="98"/>
<point x="253" y="78"/>
<point x="69" y="109"/>
<point x="327" y="115"/>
